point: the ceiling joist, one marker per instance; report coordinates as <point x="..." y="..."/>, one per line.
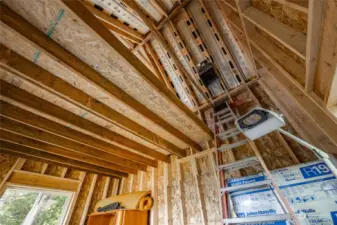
<point x="67" y="59"/>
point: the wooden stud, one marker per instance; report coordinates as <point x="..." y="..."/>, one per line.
<point x="74" y="201"/>
<point x="315" y="20"/>
<point x="16" y="166"/>
<point x="88" y="200"/>
<point x="167" y="193"/>
<point x="106" y="187"/>
<point x="154" y="194"/>
<point x="44" y="168"/>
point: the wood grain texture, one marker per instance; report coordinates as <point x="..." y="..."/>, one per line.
<point x="111" y="65"/>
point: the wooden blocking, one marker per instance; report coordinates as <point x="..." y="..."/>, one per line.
<point x="43" y="181"/>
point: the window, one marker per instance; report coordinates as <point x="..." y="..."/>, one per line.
<point x="202" y="10"/>
<point x="175" y="34"/>
<point x="209" y="23"/>
<point x="177" y="95"/>
<point x="194" y="70"/>
<point x="126" y="23"/>
<point x="32" y="206"/>
<point x="217" y="37"/>
<point x="168" y="54"/>
<point x="188" y="22"/>
<point x="174" y="66"/>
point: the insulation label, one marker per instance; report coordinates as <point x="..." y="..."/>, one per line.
<point x="310" y="188"/>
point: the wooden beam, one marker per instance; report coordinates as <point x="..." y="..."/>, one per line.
<point x="88" y="200"/>
<point x="32" y="72"/>
<point x="30" y="143"/>
<point x="132" y="4"/>
<point x="39" y="156"/>
<point x="149" y="52"/>
<point x="48" y="108"/>
<point x="39" y="135"/>
<point x="154" y="194"/>
<point x="26" y="178"/>
<point x="315" y="26"/>
<point x="112" y="23"/>
<point x="28" y="118"/>
<point x="115" y="30"/>
<point x="161" y="70"/>
<point x="159" y="8"/>
<point x="33" y="34"/>
<point x="288" y="36"/>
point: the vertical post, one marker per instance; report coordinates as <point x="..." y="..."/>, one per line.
<point x="88" y="200"/>
<point x="154" y="189"/>
<point x="199" y="193"/>
<point x="167" y="193"/>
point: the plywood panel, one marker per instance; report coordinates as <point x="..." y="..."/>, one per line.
<point x="209" y="190"/>
<point x="191" y="200"/>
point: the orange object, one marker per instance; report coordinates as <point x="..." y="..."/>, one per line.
<point x="119" y="217"/>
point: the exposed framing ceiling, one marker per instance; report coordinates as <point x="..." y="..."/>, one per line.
<point x="146" y="131"/>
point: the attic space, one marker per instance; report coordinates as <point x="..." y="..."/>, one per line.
<point x="168" y="112"/>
